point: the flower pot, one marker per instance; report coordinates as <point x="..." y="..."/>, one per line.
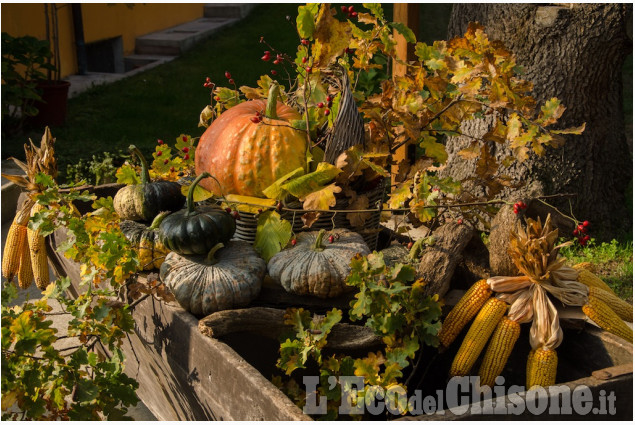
<point x="52" y="108"/>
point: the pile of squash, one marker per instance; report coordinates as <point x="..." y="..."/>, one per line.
<point x="192" y="246"/>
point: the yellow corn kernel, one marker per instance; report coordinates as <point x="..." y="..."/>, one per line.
<point x="25" y="274"/>
<point x="464" y="311"/>
<point x="607" y="319"/>
<point x="37" y="249"/>
<point x="542" y="365"/>
<point x="14" y="246"/>
<point x="591" y="280"/>
<point x="498" y="350"/>
<point x="476" y="338"/>
<point x="618" y="305"/>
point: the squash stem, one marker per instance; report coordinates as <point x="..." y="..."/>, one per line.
<point x="145" y="172"/>
<point x="212" y="253"/>
<point x="190" y="193"/>
<point x="318" y="241"/>
<point x="272" y="101"/>
<point x="158" y="219"/>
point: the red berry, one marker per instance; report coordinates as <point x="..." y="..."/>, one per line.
<point x="227" y="75"/>
<point x="186" y="156"/>
<point x="582" y="242"/>
<point x="575" y="232"/>
<point x="294" y="241"/>
<point x="266" y="58"/>
<point x="279" y="206"/>
<point x="217" y="98"/>
<point x="228" y="210"/>
<point x="351" y="9"/>
<point x="586" y="238"/>
<point x="255" y="120"/>
<point x="276" y="62"/>
<point x="327" y="111"/>
<point x="581" y="228"/>
<point x="354" y="15"/>
<point x="410" y="244"/>
<point x="331" y="239"/>
<point x="274" y="72"/>
<point x="329" y="98"/>
<point x="515" y="210"/>
<point x="348" y="50"/>
<point x="207" y="79"/>
<point x="236" y="215"/>
<point x="172" y="169"/>
<point x="231" y="81"/>
<point x="160" y="142"/>
<point x="344" y="9"/>
<point x="166" y="161"/>
<point x="159" y="153"/>
<point x="304" y="59"/>
<point x="267" y="52"/>
<point x="308" y="69"/>
<point x="460" y="221"/>
<point x="320" y="105"/>
<point x="184" y="138"/>
<point x="305" y="42"/>
<point x="186" y="149"/>
<point x="586" y="223"/>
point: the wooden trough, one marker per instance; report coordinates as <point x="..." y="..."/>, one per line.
<point x="184" y="374"/>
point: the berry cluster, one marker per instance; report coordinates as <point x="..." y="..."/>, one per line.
<point x="349" y="11"/>
<point x="519" y="206"/>
<point x="256" y="118"/>
<point x="329" y="104"/>
<point x="581" y="232"/>
<point x="233" y="213"/>
<point x="208" y="83"/>
<point x="229" y="77"/>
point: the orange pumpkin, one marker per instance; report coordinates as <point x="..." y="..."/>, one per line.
<point x="247" y="157"/>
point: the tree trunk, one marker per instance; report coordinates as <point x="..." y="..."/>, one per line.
<point x="575" y="54"/>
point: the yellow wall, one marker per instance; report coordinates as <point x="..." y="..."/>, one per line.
<point x="101" y="21"/>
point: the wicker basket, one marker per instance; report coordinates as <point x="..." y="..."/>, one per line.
<point x="247" y="223"/>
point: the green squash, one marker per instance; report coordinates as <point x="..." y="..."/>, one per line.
<point x="225" y="278"/>
<point x="145" y="241"/>
<point x="142" y="202"/>
<point x="196" y="230"/>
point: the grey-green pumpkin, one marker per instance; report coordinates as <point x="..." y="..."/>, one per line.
<point x="142" y="202"/>
<point x="315" y="266"/>
<point x="226" y="278"/>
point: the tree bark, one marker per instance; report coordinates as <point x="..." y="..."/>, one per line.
<point x="575" y="54"/>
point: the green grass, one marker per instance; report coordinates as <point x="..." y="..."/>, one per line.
<point x="613" y="263"/>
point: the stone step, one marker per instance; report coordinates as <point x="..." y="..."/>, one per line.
<point x="227" y="10"/>
<point x="176" y="40"/>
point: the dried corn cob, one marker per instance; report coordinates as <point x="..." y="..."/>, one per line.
<point x="621" y="307"/>
<point x="37" y="248"/>
<point x="16" y="243"/>
<point x="476" y="338"/>
<point x="591" y="280"/>
<point x="498" y="350"/>
<point x="25" y="274"/>
<point x="542" y="365"/>
<point x="464" y="311"/>
<point x="607" y="319"/>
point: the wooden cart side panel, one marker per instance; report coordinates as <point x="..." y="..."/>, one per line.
<point x="185" y="375"/>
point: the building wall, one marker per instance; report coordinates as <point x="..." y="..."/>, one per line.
<point x="101" y="21"/>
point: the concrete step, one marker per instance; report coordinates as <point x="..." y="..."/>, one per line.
<point x="227" y="10"/>
<point x="176" y="40"/>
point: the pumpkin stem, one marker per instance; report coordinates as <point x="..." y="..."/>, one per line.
<point x="190" y="192"/>
<point x="212" y="253"/>
<point x="158" y="219"/>
<point x="318" y="241"/>
<point x="145" y="173"/>
<point x="272" y="101"/>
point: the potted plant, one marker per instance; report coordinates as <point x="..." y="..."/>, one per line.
<point x="24" y="60"/>
<point x="53" y="90"/>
